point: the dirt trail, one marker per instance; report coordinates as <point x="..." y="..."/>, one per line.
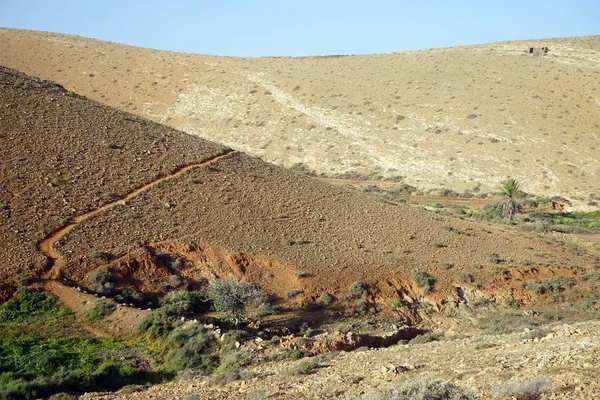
<point x="46" y="246"/>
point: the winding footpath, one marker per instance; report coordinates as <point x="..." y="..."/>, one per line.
<point x="47" y="245"/>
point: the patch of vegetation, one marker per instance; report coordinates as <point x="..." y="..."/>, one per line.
<point x="423" y="388"/>
<point x="292" y="293"/>
<point x="285" y="354"/>
<point x="357" y="290"/>
<point x="34" y="311"/>
<point x="326" y="298"/>
<point x="232" y="298"/>
<point x="160" y="322"/>
<point x="555" y="285"/>
<point x="34" y="367"/>
<point x="361" y="307"/>
<point x="102" y="280"/>
<point x="396" y="302"/>
<point x="592" y="275"/>
<point x="424" y="281"/>
<point x="305" y="367"/>
<point x="192" y="349"/>
<point x="231" y="366"/>
<point x="100" y="310"/>
<point x="427" y="338"/>
<point x="130" y="296"/>
<point x="532" y="389"/>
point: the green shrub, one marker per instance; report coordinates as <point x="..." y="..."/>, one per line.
<point x="131" y="296"/>
<point x="292" y="293"/>
<point x="326" y="298"/>
<point x="422" y="388"/>
<point x="101" y="309"/>
<point x="230" y="338"/>
<point x="592" y="275"/>
<point x="556" y="285"/>
<point x="102" y="280"/>
<point x="396" y="302"/>
<point x="34" y="367"/>
<point x="192" y="348"/>
<point x="527" y="390"/>
<point x="173" y="306"/>
<point x="285" y="354"/>
<point x="426" y="338"/>
<point x="232" y="298"/>
<point x="423" y="280"/>
<point x="357" y="290"/>
<point x="30" y="303"/>
<point x="305" y="367"/>
<point x="230" y="367"/>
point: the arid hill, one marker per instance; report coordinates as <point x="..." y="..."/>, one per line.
<point x="459" y="118"/>
<point x="85" y="187"/>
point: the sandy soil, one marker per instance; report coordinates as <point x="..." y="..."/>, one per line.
<point x="460" y="118"/>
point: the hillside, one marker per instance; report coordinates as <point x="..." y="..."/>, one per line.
<point x="87" y="187"/>
<point x="458" y="118"/>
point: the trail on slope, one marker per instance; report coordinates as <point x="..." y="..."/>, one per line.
<point x="47" y="245"/>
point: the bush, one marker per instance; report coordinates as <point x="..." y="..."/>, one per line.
<point x="232" y="298"/>
<point x="556" y="285"/>
<point x="423" y="388"/>
<point x="101" y="309"/>
<point x="357" y="290"/>
<point x="231" y="364"/>
<point x="305" y="367"/>
<point x="102" y="280"/>
<point x="192" y="348"/>
<point x="326" y="298"/>
<point x="527" y="390"/>
<point x="131" y="296"/>
<point x="424" y="281"/>
<point x="168" y="316"/>
<point x="426" y="338"/>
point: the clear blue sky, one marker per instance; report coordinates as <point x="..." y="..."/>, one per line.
<point x="263" y="27"/>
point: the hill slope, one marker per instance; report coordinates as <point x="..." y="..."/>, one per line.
<point x="87" y="187"/>
<point x="462" y="118"/>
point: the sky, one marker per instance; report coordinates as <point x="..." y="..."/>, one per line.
<point x="256" y="28"/>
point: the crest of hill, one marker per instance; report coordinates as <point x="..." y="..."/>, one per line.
<point x="461" y="118"/>
<point x="68" y="155"/>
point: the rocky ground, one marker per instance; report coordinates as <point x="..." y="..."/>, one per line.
<point x="567" y="356"/>
<point x="460" y="118"/>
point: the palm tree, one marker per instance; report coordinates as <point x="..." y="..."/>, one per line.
<point x="511" y="205"/>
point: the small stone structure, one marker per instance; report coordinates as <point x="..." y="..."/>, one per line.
<point x="538" y="50"/>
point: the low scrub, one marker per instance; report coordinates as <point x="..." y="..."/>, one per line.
<point x="232" y="299"/>
<point x="532" y="389"/>
<point x="34" y="367"/>
<point x="173" y="306"/>
<point x="421" y="388"/>
<point x="100" y="310"/>
<point x="34" y="311"/>
<point x="424" y="281"/>
<point x="192" y="348"/>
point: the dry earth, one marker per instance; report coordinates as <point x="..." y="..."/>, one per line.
<point x="165" y="207"/>
<point x="568" y="356"/>
<point x="462" y="118"/>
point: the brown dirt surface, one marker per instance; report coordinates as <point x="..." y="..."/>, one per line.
<point x="65" y="156"/>
<point x="460" y="118"/>
<point x="160" y="222"/>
